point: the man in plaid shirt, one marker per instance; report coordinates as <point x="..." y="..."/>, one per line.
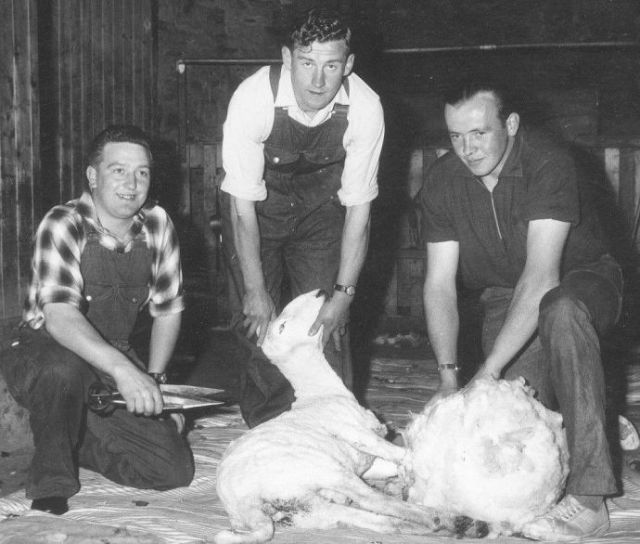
<point x="98" y="260"/>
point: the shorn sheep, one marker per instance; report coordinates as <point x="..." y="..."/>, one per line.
<point x="307" y="467"/>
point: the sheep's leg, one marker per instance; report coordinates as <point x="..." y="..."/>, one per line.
<point x="255" y="528"/>
<point x="352" y="516"/>
<point x="369" y="442"/>
<point x="381" y="469"/>
<point x="354" y="490"/>
<point x="386" y="476"/>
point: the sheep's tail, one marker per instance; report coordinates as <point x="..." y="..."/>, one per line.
<point x="262" y="532"/>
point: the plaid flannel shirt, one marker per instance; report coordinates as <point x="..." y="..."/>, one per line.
<point x="60" y="240"/>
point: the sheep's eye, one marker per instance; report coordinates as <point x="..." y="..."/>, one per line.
<point x="281" y="328"/>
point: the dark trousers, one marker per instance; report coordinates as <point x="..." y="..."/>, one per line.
<point x="563" y="363"/>
<point x="297" y="257"/>
<point x="52" y="383"/>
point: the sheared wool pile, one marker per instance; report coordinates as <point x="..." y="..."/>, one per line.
<point x="491" y="452"/>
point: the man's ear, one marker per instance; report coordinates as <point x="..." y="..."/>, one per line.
<point x="92" y="177"/>
<point x="348" y="66"/>
<point x="513" y="123"/>
<point x="286" y="57"/>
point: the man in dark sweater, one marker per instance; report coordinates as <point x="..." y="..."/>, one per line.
<point x="505" y="208"/>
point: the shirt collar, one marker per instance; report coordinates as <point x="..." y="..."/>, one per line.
<point x="513" y="165"/>
<point x="286" y="98"/>
<point x="87" y="209"/>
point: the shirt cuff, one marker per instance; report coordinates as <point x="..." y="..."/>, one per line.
<point x="254" y="194"/>
<point x="173" y="306"/>
<point x="354" y="199"/>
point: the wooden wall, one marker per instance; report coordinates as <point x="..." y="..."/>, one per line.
<point x="99" y="70"/>
<point x="19" y="161"/>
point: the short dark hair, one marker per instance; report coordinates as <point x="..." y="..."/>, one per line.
<point x="114" y="134"/>
<point x="319" y="25"/>
<point x="466" y="89"/>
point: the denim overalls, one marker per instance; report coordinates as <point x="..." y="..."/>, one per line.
<point x="52" y="383"/>
<point x="301" y="223"/>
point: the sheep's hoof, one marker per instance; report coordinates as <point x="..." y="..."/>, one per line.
<point x="464" y="526"/>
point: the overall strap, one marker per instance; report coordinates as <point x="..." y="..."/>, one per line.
<point x="274" y="78"/>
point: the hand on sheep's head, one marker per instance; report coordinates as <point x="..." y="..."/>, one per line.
<point x="258" y="310"/>
<point x="333" y="317"/>
<point x="290" y="330"/>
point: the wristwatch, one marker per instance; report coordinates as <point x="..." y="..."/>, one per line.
<point x="348" y="289"/>
<point x="159" y="377"/>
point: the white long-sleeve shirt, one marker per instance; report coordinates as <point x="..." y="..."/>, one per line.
<point x="250" y="120"/>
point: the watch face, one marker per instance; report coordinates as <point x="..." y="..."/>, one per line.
<point x="350" y="290"/>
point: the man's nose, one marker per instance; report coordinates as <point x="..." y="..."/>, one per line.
<point x="318" y="78"/>
<point x="131" y="180"/>
<point x="467" y="146"/>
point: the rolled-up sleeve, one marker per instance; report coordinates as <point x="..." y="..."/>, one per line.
<point x="363" y="144"/>
<point x="165" y="296"/>
<point x="248" y="123"/>
<point x="57" y="260"/>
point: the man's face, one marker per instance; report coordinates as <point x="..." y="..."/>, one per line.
<point x="120" y="182"/>
<point x="479" y="137"/>
<point x="317" y="71"/>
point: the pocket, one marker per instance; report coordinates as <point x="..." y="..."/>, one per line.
<point x="279" y="157"/>
<point x="134" y="295"/>
<point x="326" y="155"/>
<point x="97" y="292"/>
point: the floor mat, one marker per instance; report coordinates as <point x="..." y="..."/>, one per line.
<point x="105" y="512"/>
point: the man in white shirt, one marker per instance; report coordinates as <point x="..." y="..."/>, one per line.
<point x="300" y="151"/>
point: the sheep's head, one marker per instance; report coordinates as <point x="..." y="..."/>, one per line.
<point x="289" y="332"/>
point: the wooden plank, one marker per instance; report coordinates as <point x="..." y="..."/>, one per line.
<point x="94" y="49"/>
<point x="119" y="60"/>
<point x="26" y="150"/>
<point x="8" y="166"/>
<point x="612" y="168"/>
<point x="126" y="25"/>
<point x="134" y="20"/>
<point x="65" y="128"/>
<point x="636" y="182"/>
<point x="149" y="64"/>
<point x="627" y="187"/>
<point x="75" y="36"/>
<point x="636" y="177"/>
<point x="109" y="84"/>
<point x="58" y="53"/>
<point x="6" y="54"/>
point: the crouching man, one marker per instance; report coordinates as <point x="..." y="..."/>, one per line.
<point x="98" y="260"/>
<point x="505" y="208"/>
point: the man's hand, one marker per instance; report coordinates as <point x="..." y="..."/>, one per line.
<point x="444" y="390"/>
<point x="259" y="310"/>
<point x="179" y="420"/>
<point x="333" y="315"/>
<point x="139" y="390"/>
<point x="484" y="372"/>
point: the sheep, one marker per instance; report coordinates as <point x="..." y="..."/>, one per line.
<point x="491" y="452"/>
<point x="307" y="466"/>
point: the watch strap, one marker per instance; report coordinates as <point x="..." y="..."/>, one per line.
<point x="348" y="289"/>
<point x="159" y="377"/>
